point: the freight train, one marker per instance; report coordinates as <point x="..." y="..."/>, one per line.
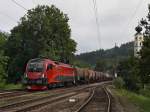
<point x="44" y="73"/>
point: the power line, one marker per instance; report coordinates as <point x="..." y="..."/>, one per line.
<point x="9" y="17"/>
<point x="137" y="8"/>
<point x="19" y="5"/>
<point x="97" y="23"/>
<point x="133" y="15"/>
<point x="33" y="1"/>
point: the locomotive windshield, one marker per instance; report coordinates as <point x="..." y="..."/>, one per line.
<point x="35" y="67"/>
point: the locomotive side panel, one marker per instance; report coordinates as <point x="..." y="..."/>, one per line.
<point x="60" y="75"/>
<point x="65" y="74"/>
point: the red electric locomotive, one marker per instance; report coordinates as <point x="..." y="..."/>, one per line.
<point x="45" y="73"/>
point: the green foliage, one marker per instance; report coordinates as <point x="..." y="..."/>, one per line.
<point x="142" y="101"/>
<point x="144" y="65"/>
<point x="42" y="32"/>
<point x="119" y="83"/>
<point x="10" y="86"/>
<point x="3" y="58"/>
<point x="145" y="92"/>
<point x="128" y="70"/>
<point x="101" y="65"/>
<point x="81" y="64"/>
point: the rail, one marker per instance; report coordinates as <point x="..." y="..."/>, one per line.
<point x="109" y="100"/>
<point x="86" y="102"/>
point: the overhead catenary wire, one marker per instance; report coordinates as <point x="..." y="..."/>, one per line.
<point x="33" y="1"/>
<point x="140" y="2"/>
<point x="97" y="22"/>
<point x="136" y="9"/>
<point x="9" y="17"/>
<point x="19" y="5"/>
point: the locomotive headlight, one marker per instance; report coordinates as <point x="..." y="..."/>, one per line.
<point x="43" y="75"/>
<point x="25" y="75"/>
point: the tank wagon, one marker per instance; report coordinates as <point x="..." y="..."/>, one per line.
<point x="44" y="73"/>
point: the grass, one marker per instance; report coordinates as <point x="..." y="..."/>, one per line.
<point x="142" y="101"/>
<point x="5" y="86"/>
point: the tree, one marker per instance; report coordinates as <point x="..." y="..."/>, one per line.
<point x="81" y="64"/>
<point x="144" y="62"/>
<point x="42" y="32"/>
<point x="3" y="58"/>
<point x="101" y="65"/>
<point x="128" y="70"/>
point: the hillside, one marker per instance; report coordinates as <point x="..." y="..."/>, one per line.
<point x="112" y="55"/>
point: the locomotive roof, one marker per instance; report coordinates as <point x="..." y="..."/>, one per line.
<point x="45" y="59"/>
<point x="36" y="59"/>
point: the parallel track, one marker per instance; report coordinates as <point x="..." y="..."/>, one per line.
<point x="12" y="94"/>
<point x="89" y="99"/>
<point x="42" y="101"/>
<point x="32" y="104"/>
<point x="109" y="100"/>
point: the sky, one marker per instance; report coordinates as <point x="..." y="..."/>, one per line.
<point x="117" y="19"/>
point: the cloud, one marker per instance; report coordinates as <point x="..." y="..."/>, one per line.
<point x="117" y="19"/>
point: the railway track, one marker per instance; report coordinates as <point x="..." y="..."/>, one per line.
<point x="46" y="99"/>
<point x="98" y="101"/>
<point x="80" y="102"/>
<point x="32" y="104"/>
<point x="17" y="93"/>
<point x="5" y="90"/>
<point x="6" y="94"/>
<point x="9" y="94"/>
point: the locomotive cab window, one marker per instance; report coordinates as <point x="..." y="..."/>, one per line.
<point x="35" y="67"/>
<point x="50" y="66"/>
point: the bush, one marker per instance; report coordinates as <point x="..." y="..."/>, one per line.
<point x="2" y="85"/>
<point x="10" y="86"/>
<point x="141" y="101"/>
<point x="145" y="92"/>
<point x="119" y="83"/>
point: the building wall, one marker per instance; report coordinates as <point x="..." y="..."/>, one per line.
<point x="138" y="43"/>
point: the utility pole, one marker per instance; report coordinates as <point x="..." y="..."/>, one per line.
<point x="115" y="64"/>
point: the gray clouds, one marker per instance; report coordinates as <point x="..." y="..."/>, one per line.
<point x="117" y="19"/>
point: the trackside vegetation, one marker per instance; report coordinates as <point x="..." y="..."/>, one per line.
<point x="143" y="102"/>
<point x="6" y="86"/>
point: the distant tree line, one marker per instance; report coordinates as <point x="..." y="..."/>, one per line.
<point x="42" y="32"/>
<point x="107" y="60"/>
